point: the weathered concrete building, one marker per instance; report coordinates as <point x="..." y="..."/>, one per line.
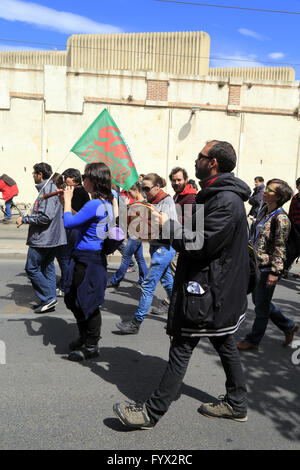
<point x="162" y="94"/>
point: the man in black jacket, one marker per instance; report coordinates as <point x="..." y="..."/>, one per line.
<point x="255" y="200"/>
<point x="210" y="290"/>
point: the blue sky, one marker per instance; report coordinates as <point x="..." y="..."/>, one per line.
<point x="238" y="38"/>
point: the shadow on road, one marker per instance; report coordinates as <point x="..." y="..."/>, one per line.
<point x="21" y="294"/>
<point x="55" y="331"/>
<point x="273" y="381"/>
<point x="135" y="375"/>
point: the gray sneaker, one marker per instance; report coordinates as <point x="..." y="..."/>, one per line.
<point x="162" y="309"/>
<point x="134" y="415"/>
<point x="129" y="327"/>
<point x="222" y="409"/>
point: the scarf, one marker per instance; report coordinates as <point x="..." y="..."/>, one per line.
<point x="159" y="197"/>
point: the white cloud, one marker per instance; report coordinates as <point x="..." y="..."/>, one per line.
<point x="276" y="55"/>
<point x="236" y="60"/>
<point x="8" y="47"/>
<point x="48" y="18"/>
<point x="252" y="34"/>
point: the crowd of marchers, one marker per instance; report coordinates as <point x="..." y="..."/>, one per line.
<point x="206" y="284"/>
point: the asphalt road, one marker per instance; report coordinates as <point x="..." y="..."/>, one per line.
<point x="48" y="402"/>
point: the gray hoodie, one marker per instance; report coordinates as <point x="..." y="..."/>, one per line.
<point x="46" y="226"/>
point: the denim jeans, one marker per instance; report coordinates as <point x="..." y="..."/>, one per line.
<point x="7" y="209"/>
<point x="133" y="247"/>
<point x="161" y="257"/>
<point x="41" y="272"/>
<point x="121" y="249"/>
<point x="64" y="254"/>
<point x="179" y="356"/>
<point x="265" y="309"/>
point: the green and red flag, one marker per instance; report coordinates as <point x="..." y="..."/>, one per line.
<point x="103" y="142"/>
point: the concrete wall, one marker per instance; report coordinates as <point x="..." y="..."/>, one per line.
<point x="165" y="119"/>
<point x="256" y="73"/>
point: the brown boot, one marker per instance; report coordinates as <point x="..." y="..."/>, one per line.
<point x="290" y="336"/>
<point x="244" y="346"/>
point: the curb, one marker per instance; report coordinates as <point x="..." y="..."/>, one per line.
<point x="22" y="254"/>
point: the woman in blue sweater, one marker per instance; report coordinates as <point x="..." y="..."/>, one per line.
<point x="87" y="274"/>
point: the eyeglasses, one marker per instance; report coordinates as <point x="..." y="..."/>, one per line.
<point x="202" y="156"/>
<point x="147" y="189"/>
<point x="83" y="177"/>
<point x="269" y="190"/>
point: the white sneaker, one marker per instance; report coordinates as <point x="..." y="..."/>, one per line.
<point x="46" y="307"/>
<point x="59" y="293"/>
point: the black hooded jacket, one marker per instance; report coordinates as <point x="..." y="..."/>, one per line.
<point x="214" y="257"/>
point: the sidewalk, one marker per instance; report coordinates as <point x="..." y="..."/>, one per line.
<point x="13" y="243"/>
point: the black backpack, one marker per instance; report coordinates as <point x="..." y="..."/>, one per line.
<point x="292" y="244"/>
<point x="254" y="269"/>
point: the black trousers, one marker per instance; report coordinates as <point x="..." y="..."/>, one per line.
<point x="89" y="328"/>
<point x="181" y="350"/>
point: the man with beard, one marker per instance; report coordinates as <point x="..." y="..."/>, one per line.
<point x="209" y="297"/>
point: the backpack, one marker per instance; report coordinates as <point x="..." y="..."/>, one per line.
<point x="292" y="244"/>
<point x="114" y="239"/>
<point x="254" y="269"/>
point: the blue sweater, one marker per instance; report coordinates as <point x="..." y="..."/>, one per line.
<point x="91" y="222"/>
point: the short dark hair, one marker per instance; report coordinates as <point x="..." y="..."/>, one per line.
<point x="225" y="155"/>
<point x="259" y="178"/>
<point x="283" y="191"/>
<point x="43" y="168"/>
<point x="176" y="170"/>
<point x="100" y="177"/>
<point x="297" y="181"/>
<point x="72" y="173"/>
<point x="58" y="180"/>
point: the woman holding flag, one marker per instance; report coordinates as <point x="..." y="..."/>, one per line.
<point x="87" y="274"/>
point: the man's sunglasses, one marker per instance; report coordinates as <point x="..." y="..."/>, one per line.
<point x="202" y="156"/>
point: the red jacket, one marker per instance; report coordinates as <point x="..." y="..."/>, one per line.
<point x="294" y="212"/>
<point x="8" y="192"/>
<point x="185" y="198"/>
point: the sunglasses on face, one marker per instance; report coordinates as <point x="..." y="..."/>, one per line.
<point x="202" y="156"/>
<point x="270" y="190"/>
<point x="147" y="189"/>
<point x="83" y="177"/>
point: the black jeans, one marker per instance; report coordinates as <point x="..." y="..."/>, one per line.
<point x="90" y="328"/>
<point x="181" y="350"/>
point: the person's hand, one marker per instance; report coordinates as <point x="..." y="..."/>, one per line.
<point x="160" y="218"/>
<point x="272" y="280"/>
<point x="68" y="193"/>
<point x="19" y="222"/>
